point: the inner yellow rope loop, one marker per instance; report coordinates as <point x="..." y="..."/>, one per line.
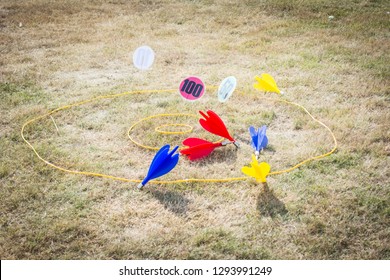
<point x="153" y="117"/>
<point x="154" y="148"/>
<point x="159" y="128"/>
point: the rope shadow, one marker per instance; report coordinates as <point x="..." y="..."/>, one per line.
<point x="268" y="204"/>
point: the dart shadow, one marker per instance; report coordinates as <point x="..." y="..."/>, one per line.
<point x="228" y="156"/>
<point x="172" y="201"/>
<point x="268" y="204"/>
<point x="243" y="140"/>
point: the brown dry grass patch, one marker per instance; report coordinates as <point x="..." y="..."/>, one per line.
<point x="55" y="53"/>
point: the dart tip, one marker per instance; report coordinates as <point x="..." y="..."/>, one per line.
<point x="236" y="144"/>
<point x="140" y="186"/>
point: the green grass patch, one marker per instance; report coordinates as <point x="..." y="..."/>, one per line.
<point x="13" y="94"/>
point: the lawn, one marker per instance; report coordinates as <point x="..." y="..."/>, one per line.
<point x="332" y="57"/>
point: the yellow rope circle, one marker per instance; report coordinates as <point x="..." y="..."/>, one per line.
<point x="188" y="130"/>
<point x="153" y="117"/>
<point x="154" y="148"/>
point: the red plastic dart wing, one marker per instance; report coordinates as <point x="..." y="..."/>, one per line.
<point x="214" y="124"/>
<point x="198" y="148"/>
<point x="190" y="142"/>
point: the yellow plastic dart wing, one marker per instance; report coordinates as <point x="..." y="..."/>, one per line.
<point x="257" y="171"/>
<point x="266" y="83"/>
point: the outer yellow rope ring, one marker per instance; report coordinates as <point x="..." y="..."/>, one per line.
<point x="154" y="148"/>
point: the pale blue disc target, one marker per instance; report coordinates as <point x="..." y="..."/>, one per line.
<point x="143" y="57"/>
<point x="226" y="88"/>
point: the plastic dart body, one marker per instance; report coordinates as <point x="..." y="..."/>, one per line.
<point x="214" y="124"/>
<point x="257" y="170"/>
<point x="266" y="83"/>
<point x="259" y="139"/>
<point x="163" y="162"/>
<point x="198" y="148"/>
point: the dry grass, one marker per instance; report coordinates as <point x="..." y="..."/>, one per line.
<point x="57" y="52"/>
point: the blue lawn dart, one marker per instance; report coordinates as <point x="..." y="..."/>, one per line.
<point x="163" y="162"/>
<point x="259" y="139"/>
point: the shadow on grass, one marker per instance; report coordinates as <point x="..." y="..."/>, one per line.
<point x="173" y="201"/>
<point x="268" y="204"/>
<point x="226" y="155"/>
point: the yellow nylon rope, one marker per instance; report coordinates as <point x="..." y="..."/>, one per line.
<point x="159" y="128"/>
<point x="165" y="132"/>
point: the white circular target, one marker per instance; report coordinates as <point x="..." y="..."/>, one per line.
<point x="143" y="57"/>
<point x="226" y="88"/>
